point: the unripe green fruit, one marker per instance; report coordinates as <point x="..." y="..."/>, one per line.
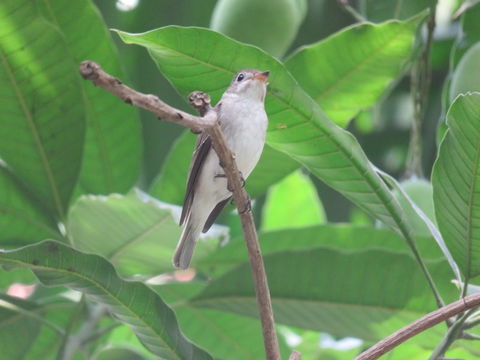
<point x="269" y="24"/>
<point x="467" y="74"/>
<point x="421" y="192"/>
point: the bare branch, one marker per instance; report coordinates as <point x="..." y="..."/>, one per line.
<point x="418" y="326"/>
<point x="208" y="123"/>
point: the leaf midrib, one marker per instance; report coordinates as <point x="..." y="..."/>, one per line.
<point x="36" y="136"/>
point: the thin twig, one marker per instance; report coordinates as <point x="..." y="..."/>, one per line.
<point x="208" y="123"/>
<point x="420" y="80"/>
<point x="422" y="324"/>
<point x="349" y="9"/>
<point x="75" y="342"/>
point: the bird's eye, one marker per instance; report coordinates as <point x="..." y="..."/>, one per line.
<point x="240" y="77"/>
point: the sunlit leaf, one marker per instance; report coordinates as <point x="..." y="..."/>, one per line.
<point x="293" y="202"/>
<point x="349" y="71"/>
<point x="111" y="158"/>
<point x="43" y="120"/>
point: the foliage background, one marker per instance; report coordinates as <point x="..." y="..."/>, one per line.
<point x="101" y="180"/>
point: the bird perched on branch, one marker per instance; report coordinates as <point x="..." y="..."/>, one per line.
<point x="243" y="121"/>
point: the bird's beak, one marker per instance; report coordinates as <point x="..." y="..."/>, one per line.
<point x="263" y="76"/>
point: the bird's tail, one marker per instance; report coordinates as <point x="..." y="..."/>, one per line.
<point x="186" y="245"/>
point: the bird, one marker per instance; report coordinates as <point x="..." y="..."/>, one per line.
<point x="243" y="120"/>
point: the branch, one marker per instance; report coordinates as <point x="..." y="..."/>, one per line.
<point x="208" y="123"/>
<point x="418" y="326"/>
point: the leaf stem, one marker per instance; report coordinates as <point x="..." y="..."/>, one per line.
<point x="349" y="9"/>
<point x="420" y="80"/>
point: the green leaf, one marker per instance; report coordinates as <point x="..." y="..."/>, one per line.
<point x="349" y="71"/>
<point x="291" y="203"/>
<point x="200" y="59"/>
<point x="133" y="303"/>
<point x="170" y="185"/>
<point x="345" y="293"/>
<point x="22" y="220"/>
<point x="344" y="237"/>
<point x="43" y="122"/>
<point x="455" y="184"/>
<point x="135" y="232"/>
<point x="111" y="158"/>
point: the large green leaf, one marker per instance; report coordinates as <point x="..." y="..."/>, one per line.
<point x="345" y="237"/>
<point x="111" y="157"/>
<point x="170" y="185"/>
<point x="22" y="220"/>
<point x="43" y="121"/>
<point x="350" y="70"/>
<point x="135" y="232"/>
<point x="367" y="294"/>
<point x="456" y="184"/>
<point x="133" y="303"/>
<point x="200" y="59"/>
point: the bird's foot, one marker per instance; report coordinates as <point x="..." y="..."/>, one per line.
<point x="229" y="187"/>
<point x="247" y="206"/>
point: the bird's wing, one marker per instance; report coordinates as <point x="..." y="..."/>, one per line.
<point x="202" y="149"/>
<point x="214" y="214"/>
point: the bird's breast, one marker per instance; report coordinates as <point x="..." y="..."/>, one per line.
<point x="244" y="125"/>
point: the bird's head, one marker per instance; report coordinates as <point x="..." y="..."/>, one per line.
<point x="250" y="83"/>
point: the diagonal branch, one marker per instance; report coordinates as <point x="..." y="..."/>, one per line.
<point x="208" y="123"/>
<point x="422" y="324"/>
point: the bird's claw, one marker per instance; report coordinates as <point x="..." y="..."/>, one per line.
<point x="247" y="207"/>
<point x="229" y="187"/>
